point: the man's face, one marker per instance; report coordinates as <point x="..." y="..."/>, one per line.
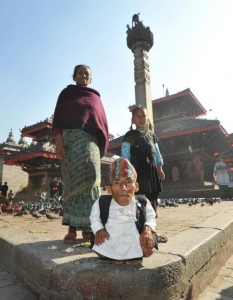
<point x="123" y="190"/>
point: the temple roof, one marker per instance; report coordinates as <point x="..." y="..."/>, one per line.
<point x="185" y="126"/>
<point x="10" y="145"/>
<point x="185" y="100"/>
<point x="193" y="107"/>
<point x="228" y="153"/>
<point x="39" y="129"/>
<point x="23" y="142"/>
<point x="230" y="140"/>
<point x="227" y="156"/>
<point x="10" y="139"/>
<point x="39" y="150"/>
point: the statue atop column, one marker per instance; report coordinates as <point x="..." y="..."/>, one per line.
<point x="136" y="22"/>
<point x="139" y="32"/>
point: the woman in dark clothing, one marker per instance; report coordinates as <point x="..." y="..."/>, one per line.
<point x="140" y="147"/>
<point x="81" y="132"/>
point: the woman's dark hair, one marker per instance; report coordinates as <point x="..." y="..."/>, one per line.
<point x="79" y="66"/>
<point x="140" y="107"/>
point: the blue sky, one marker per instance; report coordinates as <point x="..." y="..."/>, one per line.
<point x="42" y="40"/>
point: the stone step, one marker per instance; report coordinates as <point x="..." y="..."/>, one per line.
<point x="199" y="244"/>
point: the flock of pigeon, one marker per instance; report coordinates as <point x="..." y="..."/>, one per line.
<point x="51" y="208"/>
<point x="174" y="202"/>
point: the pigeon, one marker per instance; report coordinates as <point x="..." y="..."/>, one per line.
<point x="19" y="213"/>
<point x="51" y="216"/>
<point x="162" y="205"/>
<point x="211" y="202"/>
<point x="36" y="215"/>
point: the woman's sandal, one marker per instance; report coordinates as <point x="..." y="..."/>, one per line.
<point x="162" y="239"/>
<point x="70" y="238"/>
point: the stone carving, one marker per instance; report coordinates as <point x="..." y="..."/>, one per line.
<point x="135" y="19"/>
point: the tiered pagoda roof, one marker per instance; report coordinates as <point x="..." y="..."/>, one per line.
<point x="191" y="107"/>
<point x="10" y="145"/>
<point x="185" y="100"/>
<point x="41" y="149"/>
<point x="39" y="130"/>
<point x="185" y="126"/>
<point x="31" y="153"/>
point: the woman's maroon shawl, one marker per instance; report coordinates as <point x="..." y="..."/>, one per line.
<point x="81" y="107"/>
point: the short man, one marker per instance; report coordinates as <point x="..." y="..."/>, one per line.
<point x="120" y="240"/>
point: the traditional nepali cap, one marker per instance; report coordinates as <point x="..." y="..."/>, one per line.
<point x="121" y="167"/>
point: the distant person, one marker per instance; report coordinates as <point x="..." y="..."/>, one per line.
<point x="10" y="197"/>
<point x="4" y="189"/>
<point x="60" y="186"/>
<point x="81" y="132"/>
<point x="53" y="187"/>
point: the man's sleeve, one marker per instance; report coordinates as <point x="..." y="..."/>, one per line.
<point x="150" y="216"/>
<point x="96" y="223"/>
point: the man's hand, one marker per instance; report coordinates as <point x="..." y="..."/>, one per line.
<point x="146" y="241"/>
<point x="100" y="236"/>
<point x="60" y="150"/>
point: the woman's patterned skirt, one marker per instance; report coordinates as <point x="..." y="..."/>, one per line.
<point x="81" y="177"/>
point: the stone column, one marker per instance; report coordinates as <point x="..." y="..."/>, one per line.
<point x="140" y="41"/>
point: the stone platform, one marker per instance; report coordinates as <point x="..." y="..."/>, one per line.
<point x="200" y="242"/>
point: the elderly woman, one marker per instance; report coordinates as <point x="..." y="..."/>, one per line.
<point x="81" y="132"/>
